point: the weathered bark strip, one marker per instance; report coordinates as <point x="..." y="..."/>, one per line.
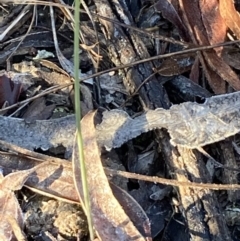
<point x="206" y="203"/>
<point x="196" y="204"/>
<point x="228" y="158"/>
<point x="200" y="207"/>
<point x="121" y="51"/>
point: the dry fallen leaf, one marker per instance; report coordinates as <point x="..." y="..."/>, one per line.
<point x="11" y="217"/>
<point x="109" y="218"/>
<point x="52" y="180"/>
<point x="230" y="16"/>
<point x="206" y="26"/>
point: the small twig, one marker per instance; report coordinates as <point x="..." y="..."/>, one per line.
<point x="48" y="91"/>
<point x="171" y="182"/>
<point x="16" y="150"/>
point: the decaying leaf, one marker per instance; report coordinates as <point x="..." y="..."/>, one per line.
<point x="11" y="217"/>
<point x="109" y="218"/>
<point x="133" y="210"/>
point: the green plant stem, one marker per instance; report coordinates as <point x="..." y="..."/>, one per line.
<point x="78" y="119"/>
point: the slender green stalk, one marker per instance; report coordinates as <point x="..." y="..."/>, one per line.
<point x="78" y="119"/>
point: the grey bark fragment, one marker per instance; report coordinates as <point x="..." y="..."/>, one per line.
<point x="39" y="134"/>
<point x="189" y="124"/>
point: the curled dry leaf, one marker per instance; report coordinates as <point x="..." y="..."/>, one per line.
<point x="11" y="217"/>
<point x="109" y="218"/>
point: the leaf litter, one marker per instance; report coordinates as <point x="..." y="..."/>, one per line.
<point x="189" y="124"/>
<point x="11" y="213"/>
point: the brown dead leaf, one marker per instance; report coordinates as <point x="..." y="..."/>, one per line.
<point x="11" y="217"/>
<point x="133" y="210"/>
<point x="109" y="218"/>
<point x="214" y="25"/>
<point x="171" y="14"/>
<point x="55" y="180"/>
<point x="230" y="16"/>
<point x="206" y="26"/>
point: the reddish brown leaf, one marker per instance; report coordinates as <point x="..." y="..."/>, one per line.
<point x="206" y="27"/>
<point x="213" y="22"/>
<point x="9" y="91"/>
<point x="230" y="16"/>
<point x="110" y="220"/>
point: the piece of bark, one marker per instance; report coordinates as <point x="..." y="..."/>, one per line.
<point x="185" y="89"/>
<point x="121" y="51"/>
<point x="228" y="158"/>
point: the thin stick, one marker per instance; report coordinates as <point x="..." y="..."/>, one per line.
<point x="171" y="182"/>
